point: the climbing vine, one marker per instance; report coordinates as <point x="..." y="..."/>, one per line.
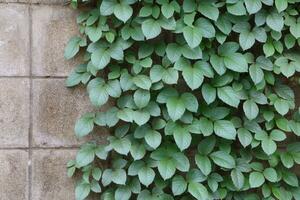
<point x="203" y="99"/>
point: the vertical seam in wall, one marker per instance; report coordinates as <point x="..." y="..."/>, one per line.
<point x="30" y="106"/>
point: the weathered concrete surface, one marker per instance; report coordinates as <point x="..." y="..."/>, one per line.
<point x="8" y="1"/>
<point x="52" y="27"/>
<point x="55" y="110"/>
<point x="14" y="175"/>
<point x="49" y="177"/>
<point x="59" y="2"/>
<point x="14" y="40"/>
<point x="14" y="112"/>
<point x="46" y="2"/>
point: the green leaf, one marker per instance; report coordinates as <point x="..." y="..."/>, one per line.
<point x="218" y="64"/>
<point x="71" y="171"/>
<point x="101" y="152"/>
<point x="237" y="8"/>
<point x="208" y="10"/>
<point x="119" y="176"/>
<point x="256" y="179"/>
<point x="268" y="49"/>
<point x="137" y="151"/>
<point x="223" y="159"/>
<point x="126" y="115"/>
<point x="253" y="6"/>
<point x="182" y="138"/>
<point x="82" y="190"/>
<point x="98" y="95"/>
<point x="251" y="109"/>
<point x="236" y="62"/>
<point x="244" y="136"/>
<point x="203" y="163"/>
<point x="206" y="28"/>
<point x="193" y="77"/>
<point x="198" y="190"/>
<point x="228" y="96"/>
<point x="100" y="58"/>
<point x="151" y="28"/>
<point x="108" y="118"/>
<point x="167" y="10"/>
<point x="113" y="88"/>
<point x="166" y="168"/>
<point x="268" y="146"/>
<point x="207" y="145"/>
<point x="295" y="30"/>
<point x="107" y="7"/>
<point x="281" y="5"/>
<point x="246" y="40"/>
<point x="175" y="107"/>
<point x="146" y="175"/>
<point x="290" y="178"/>
<point x="95" y="186"/>
<point x="94" y="33"/>
<point x="153" y="138"/>
<point x="142" y="81"/>
<point x="209" y="93"/>
<point x="141" y="117"/>
<point x="256" y="73"/>
<point x="277" y="135"/>
<point x="287" y="159"/>
<point x="190" y="102"/>
<point x="225" y="129"/>
<point x="170" y="76"/>
<point x="275" y="21"/>
<point x="72" y="47"/>
<point x="96" y="173"/>
<point x="206" y="126"/>
<point x="270" y="174"/>
<point x="179" y="185"/>
<point x="181" y="161"/>
<point x="84" y="125"/>
<point x="172" y="52"/>
<point x="123" y="193"/>
<point x="122" y="145"/>
<point x="237" y="178"/>
<point x="85" y="155"/>
<point x="141" y="98"/>
<point x="224" y="24"/>
<point x="123" y="11"/>
<point x="281" y="106"/>
<point x="192" y="36"/>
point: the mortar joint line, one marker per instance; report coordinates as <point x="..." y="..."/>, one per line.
<point x="30" y="106"/>
<point x="36" y="3"/>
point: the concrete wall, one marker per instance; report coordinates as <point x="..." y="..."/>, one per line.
<point x="37" y="112"/>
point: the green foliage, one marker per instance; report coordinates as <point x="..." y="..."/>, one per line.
<point x="202" y="95"/>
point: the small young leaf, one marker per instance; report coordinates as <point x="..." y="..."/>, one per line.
<point x="256" y="179"/>
<point x="251" y="109"/>
<point x="84" y="125"/>
<point x="198" y="190"/>
<point x="151" y="28"/>
<point x="225" y="129"/>
<point x="223" y="159"/>
<point x="179" y="185"/>
<point x="82" y="191"/>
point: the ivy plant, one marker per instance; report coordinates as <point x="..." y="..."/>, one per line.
<point x="201" y="95"/>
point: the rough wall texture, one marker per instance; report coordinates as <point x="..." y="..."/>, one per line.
<point x="37" y="112"/>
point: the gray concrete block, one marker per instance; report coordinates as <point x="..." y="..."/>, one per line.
<point x="14" y="112"/>
<point x="52" y="27"/>
<point x="14" y="40"/>
<point x="55" y="111"/>
<point x="49" y="177"/>
<point x="14" y="175"/>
